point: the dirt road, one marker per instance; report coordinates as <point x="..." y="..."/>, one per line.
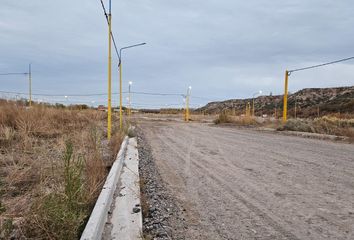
<point x="244" y="184"/>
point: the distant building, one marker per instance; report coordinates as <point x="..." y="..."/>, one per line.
<point x="102" y="108"/>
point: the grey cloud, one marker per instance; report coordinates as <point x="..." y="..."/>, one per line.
<point x="222" y="48"/>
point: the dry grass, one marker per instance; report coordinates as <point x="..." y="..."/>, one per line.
<point x="235" y="120"/>
<point x="223" y="118"/>
<point x="53" y="163"/>
<point x="324" y="125"/>
<point x="335" y="124"/>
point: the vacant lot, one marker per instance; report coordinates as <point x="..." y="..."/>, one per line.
<point x="243" y="184"/>
<point x="53" y="163"/>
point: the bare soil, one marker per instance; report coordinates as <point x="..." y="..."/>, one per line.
<point x="245" y="184"/>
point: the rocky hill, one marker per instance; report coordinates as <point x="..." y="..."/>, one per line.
<point x="309" y="102"/>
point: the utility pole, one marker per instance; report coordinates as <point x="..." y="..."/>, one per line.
<point x="248" y="109"/>
<point x="285" y="101"/>
<point x="109" y="118"/>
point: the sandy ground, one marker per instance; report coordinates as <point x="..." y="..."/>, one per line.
<point x="244" y="184"/>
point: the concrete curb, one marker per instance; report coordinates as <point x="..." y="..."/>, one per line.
<point x="95" y="226"/>
<point x="314" y="135"/>
<point x="125" y="219"/>
<point x="305" y="134"/>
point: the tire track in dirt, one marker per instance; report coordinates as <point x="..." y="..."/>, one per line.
<point x="238" y="194"/>
<point x="180" y="151"/>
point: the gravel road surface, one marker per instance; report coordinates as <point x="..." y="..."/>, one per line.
<point x="245" y="184"/>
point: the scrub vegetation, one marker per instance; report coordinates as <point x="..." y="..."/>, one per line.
<point x="225" y="117"/>
<point x="331" y="125"/>
<point x="334" y="124"/>
<point x="53" y="163"/>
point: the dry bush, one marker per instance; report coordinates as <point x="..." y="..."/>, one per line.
<point x="8" y="115"/>
<point x="324" y="125"/>
<point x="114" y="144"/>
<point x="7" y="135"/>
<point x="334" y="121"/>
<point x="223" y="118"/>
<point x="240" y="121"/>
<point x="334" y="126"/>
<point x="61" y="214"/>
<point x="297" y="125"/>
<point x="245" y="121"/>
<point x="95" y="169"/>
<point x="46" y="197"/>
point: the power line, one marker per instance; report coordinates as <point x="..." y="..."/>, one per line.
<point x="112" y="36"/>
<point x="158" y="94"/>
<point x="56" y="95"/>
<point x="203" y="98"/>
<point x="92" y="94"/>
<point x="6" y="74"/>
<point x="103" y="94"/>
<point x="320" y="65"/>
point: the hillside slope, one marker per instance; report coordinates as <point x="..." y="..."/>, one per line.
<point x="309" y="102"/>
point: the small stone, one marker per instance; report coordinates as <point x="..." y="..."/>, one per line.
<point x="161" y="233"/>
<point x="136" y="210"/>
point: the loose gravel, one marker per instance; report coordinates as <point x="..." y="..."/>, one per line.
<point x="162" y="217"/>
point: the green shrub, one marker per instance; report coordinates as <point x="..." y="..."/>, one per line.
<point x="6" y="228"/>
<point x="73" y="170"/>
<point x="61" y="214"/>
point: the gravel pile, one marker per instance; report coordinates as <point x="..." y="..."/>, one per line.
<point x="162" y="217"/>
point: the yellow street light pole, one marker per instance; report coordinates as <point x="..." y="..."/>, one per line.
<point x="287" y="74"/>
<point x="285" y="101"/>
<point x="109" y="118"/>
<point x="248" y="110"/>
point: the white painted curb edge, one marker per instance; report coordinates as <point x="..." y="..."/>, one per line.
<point x="95" y="226"/>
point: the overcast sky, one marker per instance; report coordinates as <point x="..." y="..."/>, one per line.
<point x="222" y="48"/>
